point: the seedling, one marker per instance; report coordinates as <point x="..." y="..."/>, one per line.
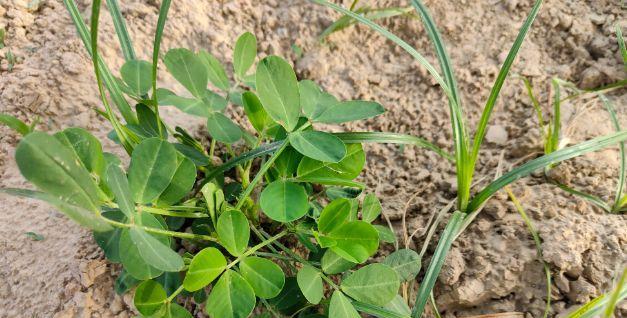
<point x="554" y="139"/>
<point x="467" y="149"/>
<point x="11" y="59"/>
<point x="171" y="197"/>
<point x="3" y="32"/>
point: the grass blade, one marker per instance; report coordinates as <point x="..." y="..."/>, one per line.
<point x="439" y="256"/>
<point x="498" y="84"/>
<point x="541" y="162"/>
<point x="392" y="38"/>
<point x="621" y="148"/>
<point x="536" y="105"/>
<point x="460" y="134"/>
<point x="594" y="307"/>
<point x="621" y="44"/>
<point x="538" y="243"/>
<point x="247" y="156"/>
<point x="609" y="308"/>
<point x="108" y="79"/>
<point x="120" y="29"/>
<point x="391" y="138"/>
<point x="376" y="310"/>
<point x="588" y="197"/>
<point x="163" y="16"/>
<point x="372" y="14"/>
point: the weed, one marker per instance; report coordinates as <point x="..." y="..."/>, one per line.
<point x="3" y="32"/>
<point x="11" y="59"/>
<point x="467" y="149"/>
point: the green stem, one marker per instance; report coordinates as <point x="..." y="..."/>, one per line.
<point x="166" y="212"/>
<point x="262" y="171"/>
<point x="174" y="294"/>
<point x="257" y="247"/>
<point x="153" y="230"/>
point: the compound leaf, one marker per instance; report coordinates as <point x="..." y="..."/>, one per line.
<point x="341" y="307"/>
<point x="375" y="284"/>
<point x="405" y="262"/>
<point x="244" y="53"/>
<point x="86" y="147"/>
<point x="181" y="183"/>
<point x="284" y="201"/>
<point x="206" y="266"/>
<point x="265" y="277"/>
<point x="215" y="70"/>
<point x="137" y="74"/>
<point x="233" y="231"/>
<point x="188" y="69"/>
<point x="335" y="264"/>
<point x="278" y="91"/>
<point x="371" y="208"/>
<point x="150" y="298"/>
<point x="310" y="283"/>
<point x="222" y="128"/>
<point x="355" y="241"/>
<point x="231" y="297"/>
<point x="318" y="145"/>
<point x="153" y="164"/>
<point x="348" y="168"/>
<point x="334" y="215"/>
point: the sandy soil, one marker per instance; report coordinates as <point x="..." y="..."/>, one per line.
<point x="492" y="267"/>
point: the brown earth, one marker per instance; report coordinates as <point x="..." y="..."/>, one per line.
<point x="492" y="267"/>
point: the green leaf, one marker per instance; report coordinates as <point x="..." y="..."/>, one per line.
<point x="117" y="182"/>
<point x="192" y="106"/>
<point x="150" y="298"/>
<point x="265" y="277"/>
<point x="371" y="208"/>
<point x="206" y="266"/>
<point x="137" y="74"/>
<point x="125" y="282"/>
<point x="284" y="201"/>
<point x="193" y="154"/>
<point x="233" y="231"/>
<point x="155" y="252"/>
<point x="341" y="307"/>
<point x="244" y="53"/>
<point x="314" y="100"/>
<point x="55" y="169"/>
<point x="153" y="164"/>
<point x="278" y="91"/>
<point x="181" y="183"/>
<point x="109" y="241"/>
<point x="349" y="111"/>
<point x="222" y="128"/>
<point x="375" y="284"/>
<point x="231" y="297"/>
<point x="290" y="300"/>
<point x="15" y="124"/>
<point x="335" y="264"/>
<point x="334" y="215"/>
<point x="130" y="257"/>
<point x="310" y="283"/>
<point x="385" y="233"/>
<point x="255" y="112"/>
<point x="355" y="241"/>
<point x="348" y="168"/>
<point x="188" y="69"/>
<point x="174" y="310"/>
<point x="287" y="162"/>
<point x="148" y="123"/>
<point x="215" y="71"/>
<point x="399" y="306"/>
<point x="405" y="262"/>
<point x="79" y="214"/>
<point x="318" y="145"/>
<point x="86" y="147"/>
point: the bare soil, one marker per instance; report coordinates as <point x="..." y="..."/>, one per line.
<point x="493" y="266"/>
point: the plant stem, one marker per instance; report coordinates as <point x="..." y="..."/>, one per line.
<point x="175" y="293"/>
<point x="255" y="248"/>
<point x="153" y="230"/>
<point x="260" y="174"/>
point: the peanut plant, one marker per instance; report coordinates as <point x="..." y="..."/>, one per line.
<point x="282" y="224"/>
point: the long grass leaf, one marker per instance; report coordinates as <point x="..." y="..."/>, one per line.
<point x="108" y="79"/>
<point x="376" y="310"/>
<point x="541" y="162"/>
<point x="586" y="196"/>
<point x="594" y="307"/>
<point x="621" y="44"/>
<point x="391" y="138"/>
<point x="95" y="15"/>
<point x="439" y="256"/>
<point x="538" y="243"/>
<point x="500" y="79"/>
<point x="621" y="148"/>
<point x="421" y="59"/>
<point x="611" y="304"/>
<point x="163" y="16"/>
<point x="536" y="105"/>
<point x="370" y="13"/>
<point x="460" y="134"/>
<point x="556" y="126"/>
<point x="120" y="29"/>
